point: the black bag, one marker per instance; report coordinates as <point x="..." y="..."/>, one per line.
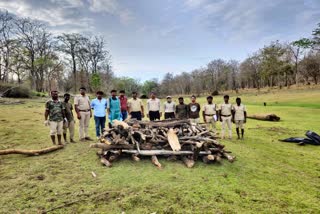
<point x="313" y="136"/>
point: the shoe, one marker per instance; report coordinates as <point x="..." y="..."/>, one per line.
<point x="72" y="141"/>
<point x="82" y="139"/>
<point x="88" y="138"/>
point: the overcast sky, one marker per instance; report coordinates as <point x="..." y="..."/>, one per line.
<point x="148" y="38"/>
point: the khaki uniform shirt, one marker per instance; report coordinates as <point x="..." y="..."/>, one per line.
<point x="135" y="104"/>
<point x="239" y="112"/>
<point x="210" y="109"/>
<point x="83" y="102"/>
<point x="226" y="109"/>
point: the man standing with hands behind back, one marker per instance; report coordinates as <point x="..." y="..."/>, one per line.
<point x="239" y="117"/>
<point x="83" y="109"/>
<point x="225" y="113"/>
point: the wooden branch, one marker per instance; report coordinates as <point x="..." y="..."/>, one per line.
<point x="188" y="162"/>
<point x="229" y="157"/>
<point x="31" y="152"/>
<point x="265" y="117"/>
<point x="162" y="123"/>
<point x="162" y="152"/>
<point x="105" y="162"/>
<point x="155" y="161"/>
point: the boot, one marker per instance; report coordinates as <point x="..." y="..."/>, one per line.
<point x="65" y="137"/>
<point x="238" y="133"/>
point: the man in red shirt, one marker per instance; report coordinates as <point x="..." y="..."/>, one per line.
<point x="123" y="104"/>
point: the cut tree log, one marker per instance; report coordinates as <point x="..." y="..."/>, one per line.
<point x="265" y="117"/>
<point x="162" y="152"/>
<point x="155" y="161"/>
<point x="31" y="152"/>
<point x="188" y="162"/>
<point x="173" y="140"/>
<point x="105" y="162"/>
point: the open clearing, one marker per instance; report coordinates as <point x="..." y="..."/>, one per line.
<point x="267" y="177"/>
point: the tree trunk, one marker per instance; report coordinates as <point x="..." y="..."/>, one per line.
<point x="30" y="152"/>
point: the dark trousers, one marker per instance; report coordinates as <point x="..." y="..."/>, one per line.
<point x="169" y="115"/>
<point x="153" y="115"/>
<point x="136" y="115"/>
<point x="100" y="125"/>
<point x="124" y="115"/>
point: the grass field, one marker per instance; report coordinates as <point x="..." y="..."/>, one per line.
<point x="268" y="176"/>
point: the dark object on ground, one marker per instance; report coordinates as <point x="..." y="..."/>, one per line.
<point x="313" y="136"/>
<point x="265" y="117"/>
<point x="30" y="152"/>
<point x="16" y="92"/>
<point x="170" y="138"/>
<point x="265" y="104"/>
<point x="215" y="93"/>
<point x="313" y="139"/>
<point x="143" y="96"/>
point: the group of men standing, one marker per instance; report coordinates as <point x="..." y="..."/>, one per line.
<point x="226" y="113"/>
<point x="59" y="114"/>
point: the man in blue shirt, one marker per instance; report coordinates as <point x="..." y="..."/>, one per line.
<point x="99" y="106"/>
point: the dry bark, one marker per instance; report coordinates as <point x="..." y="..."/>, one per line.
<point x="31" y="152"/>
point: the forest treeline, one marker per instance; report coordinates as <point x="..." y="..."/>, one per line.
<point x="31" y="55"/>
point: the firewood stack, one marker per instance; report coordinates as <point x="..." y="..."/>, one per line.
<point x="174" y="139"/>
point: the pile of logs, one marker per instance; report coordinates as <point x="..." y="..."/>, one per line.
<point x="173" y="139"/>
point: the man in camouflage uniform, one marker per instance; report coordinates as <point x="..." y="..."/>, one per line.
<point x="69" y="115"/>
<point x="56" y="112"/>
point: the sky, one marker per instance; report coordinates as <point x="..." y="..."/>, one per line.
<point x="148" y="38"/>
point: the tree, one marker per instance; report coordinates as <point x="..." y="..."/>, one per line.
<point x="297" y="48"/>
<point x="272" y="62"/>
<point x="150" y="86"/>
<point x="37" y="47"/>
<point x="251" y="72"/>
<point x="70" y="45"/>
<point x="6" y="42"/>
<point x="97" y="52"/>
<point x="311" y="66"/>
<point x="315" y="42"/>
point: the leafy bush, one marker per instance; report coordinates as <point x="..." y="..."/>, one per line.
<point x="17" y="92"/>
<point x="143" y="96"/>
<point x="215" y="93"/>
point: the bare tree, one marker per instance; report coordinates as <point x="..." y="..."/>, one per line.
<point x="97" y="52"/>
<point x="70" y="45"/>
<point x="6" y="41"/>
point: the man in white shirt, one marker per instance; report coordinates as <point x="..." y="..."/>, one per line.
<point x="210" y="114"/>
<point x="239" y="117"/>
<point x="169" y="109"/>
<point x="153" y="108"/>
<point x="225" y="113"/>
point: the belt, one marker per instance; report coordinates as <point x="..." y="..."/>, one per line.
<point x="85" y="110"/>
<point x="226" y="115"/>
<point x="209" y="115"/>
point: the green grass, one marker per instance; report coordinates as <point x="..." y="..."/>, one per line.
<point x="268" y="176"/>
